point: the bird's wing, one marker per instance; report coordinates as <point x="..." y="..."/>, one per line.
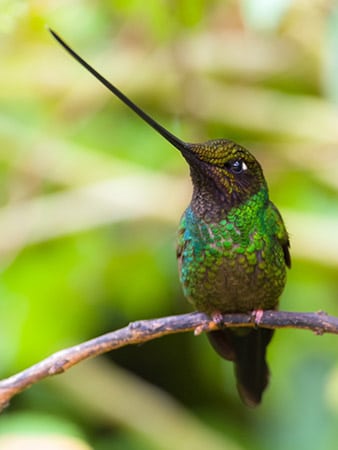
<point x="181" y="243"/>
<point x="277" y="224"/>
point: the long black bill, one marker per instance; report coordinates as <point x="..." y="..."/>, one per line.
<point x="176" y="142"/>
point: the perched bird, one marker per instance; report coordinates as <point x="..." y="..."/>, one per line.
<point x="233" y="248"/>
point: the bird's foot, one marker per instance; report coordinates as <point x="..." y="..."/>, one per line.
<point x="257" y="315"/>
<point x="214" y="324"/>
<point x="217" y="318"/>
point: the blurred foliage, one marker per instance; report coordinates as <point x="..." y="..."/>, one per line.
<point x="91" y="197"/>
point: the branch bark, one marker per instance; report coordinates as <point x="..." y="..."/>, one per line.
<point x="146" y="330"/>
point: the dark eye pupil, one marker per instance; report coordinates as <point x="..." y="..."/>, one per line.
<point x="236" y="166"/>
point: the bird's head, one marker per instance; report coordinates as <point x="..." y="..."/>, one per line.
<point x="224" y="170"/>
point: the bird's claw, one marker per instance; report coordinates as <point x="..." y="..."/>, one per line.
<point x="257" y="316"/>
<point x="214" y="324"/>
<point x="217" y="318"/>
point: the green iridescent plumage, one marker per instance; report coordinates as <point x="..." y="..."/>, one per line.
<point x="240" y="255"/>
<point x="233" y="248"/>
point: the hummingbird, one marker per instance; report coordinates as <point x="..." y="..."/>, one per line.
<point x="232" y="245"/>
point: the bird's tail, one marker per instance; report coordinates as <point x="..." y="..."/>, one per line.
<point x="246" y="348"/>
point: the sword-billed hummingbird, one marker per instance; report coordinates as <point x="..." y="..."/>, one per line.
<point x="233" y="248"/>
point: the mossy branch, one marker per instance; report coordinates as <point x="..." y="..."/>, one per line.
<point x="147" y="330"/>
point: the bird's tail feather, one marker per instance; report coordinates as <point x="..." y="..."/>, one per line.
<point x="247" y="349"/>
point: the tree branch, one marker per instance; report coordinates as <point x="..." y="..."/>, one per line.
<point x="146" y="330"/>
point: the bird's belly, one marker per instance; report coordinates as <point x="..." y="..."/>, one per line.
<point x="233" y="279"/>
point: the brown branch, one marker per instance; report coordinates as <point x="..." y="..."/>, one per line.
<point x="146" y="330"/>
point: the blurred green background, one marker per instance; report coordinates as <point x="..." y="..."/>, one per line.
<point x="91" y="198"/>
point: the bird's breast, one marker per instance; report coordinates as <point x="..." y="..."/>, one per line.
<point x="229" y="265"/>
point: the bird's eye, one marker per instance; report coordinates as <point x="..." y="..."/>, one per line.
<point x="237" y="166"/>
